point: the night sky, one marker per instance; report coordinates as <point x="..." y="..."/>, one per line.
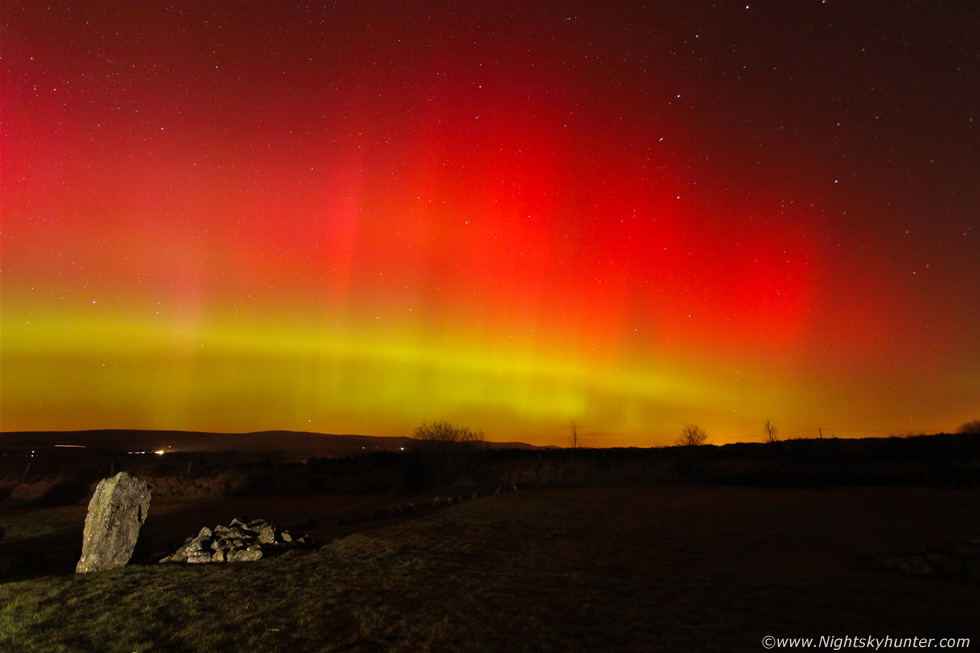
<point x="355" y="217"/>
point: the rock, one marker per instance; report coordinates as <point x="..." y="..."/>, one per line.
<point x="115" y="514"/>
<point x="914" y="565"/>
<point x="267" y="534"/>
<point x="958" y="560"/>
<point x="247" y="555"/>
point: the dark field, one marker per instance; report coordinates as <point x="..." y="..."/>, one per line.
<point x="671" y="568"/>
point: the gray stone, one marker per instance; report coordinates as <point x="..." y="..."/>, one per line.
<point x="915" y="565"/>
<point x="112" y="526"/>
<point x="248" y="555"/>
<point x="267" y="534"/>
<point x="956" y="560"/>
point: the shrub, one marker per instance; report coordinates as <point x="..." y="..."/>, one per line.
<point x="445" y="432"/>
<point x="444" y="453"/>
<point x="970" y="427"/>
<point x="692" y="435"/>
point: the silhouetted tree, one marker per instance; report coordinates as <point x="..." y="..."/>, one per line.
<point x="970" y="427"/>
<point x="772" y="433"/>
<point x="445" y="432"/>
<point x="445" y="453"/>
<point x="692" y="435"/>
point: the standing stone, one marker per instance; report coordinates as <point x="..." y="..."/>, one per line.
<point x="117" y="510"/>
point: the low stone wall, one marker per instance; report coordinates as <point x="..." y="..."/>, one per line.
<point x="181" y="487"/>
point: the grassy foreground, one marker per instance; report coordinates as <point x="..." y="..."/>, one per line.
<point x="611" y="569"/>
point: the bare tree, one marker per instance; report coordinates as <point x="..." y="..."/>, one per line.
<point x="970" y="427"/>
<point x="772" y="433"/>
<point x="445" y="432"/>
<point x="445" y="453"/>
<point x="692" y="435"/>
<point x="573" y="438"/>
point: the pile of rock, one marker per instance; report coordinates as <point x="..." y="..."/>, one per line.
<point x="957" y="560"/>
<point x="241" y="541"/>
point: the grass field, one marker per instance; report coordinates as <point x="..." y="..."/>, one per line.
<point x="674" y="568"/>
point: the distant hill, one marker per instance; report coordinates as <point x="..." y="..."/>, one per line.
<point x="292" y="444"/>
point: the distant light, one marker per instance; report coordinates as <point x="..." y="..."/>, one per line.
<point x="71" y="446"/>
<point x="159" y="452"/>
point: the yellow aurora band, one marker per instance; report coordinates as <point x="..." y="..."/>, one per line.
<point x="114" y="371"/>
